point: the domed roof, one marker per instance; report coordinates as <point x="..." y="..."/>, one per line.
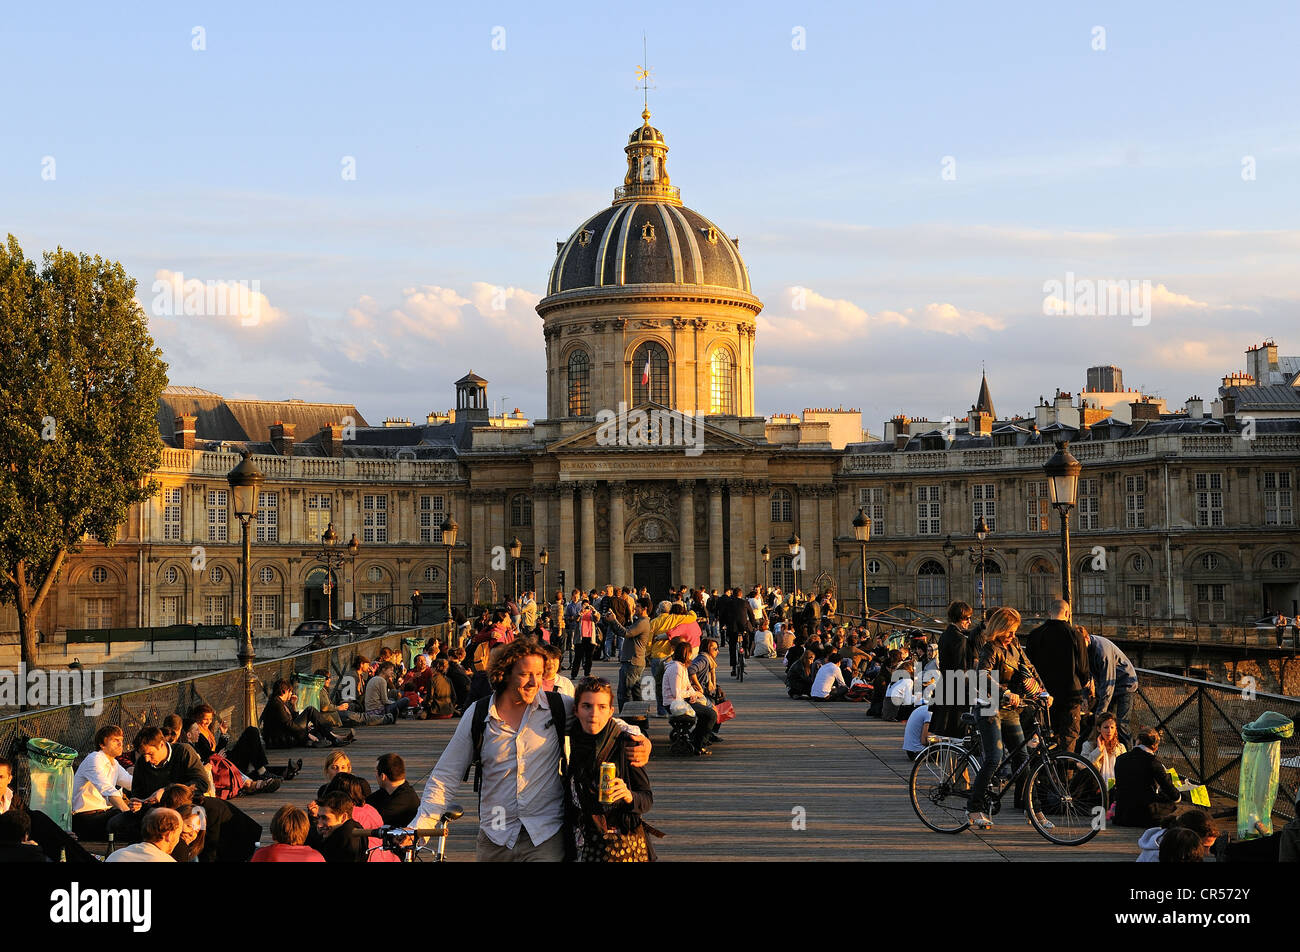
<point x="647" y="236"/>
<point x="647" y="243"/>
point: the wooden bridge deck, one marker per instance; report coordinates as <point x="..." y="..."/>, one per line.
<point x="845" y="770"/>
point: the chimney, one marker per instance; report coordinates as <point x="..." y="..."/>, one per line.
<point x="902" y="425"/>
<point x="282" y="437"/>
<point x="183" y="434"/>
<point x="1144" y="410"/>
<point x="1230" y="412"/>
<point x="1195" y="408"/>
<point x="980" y="423"/>
<point x="331" y="439"/>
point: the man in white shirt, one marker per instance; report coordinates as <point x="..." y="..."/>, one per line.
<point x="99" y="805"/>
<point x="916" y="735"/>
<point x="829" y="684"/>
<point x="521" y="804"/>
<point x="162" y="831"/>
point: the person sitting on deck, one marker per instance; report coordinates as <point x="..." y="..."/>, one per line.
<point x="829" y="684"/>
<point x="289" y="829"/>
<point x="396" y="800"/>
<point x="336" y="835"/>
<point x="1144" y="795"/>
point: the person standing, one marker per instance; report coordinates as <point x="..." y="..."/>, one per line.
<point x="1114" y="682"/>
<point x="1059" y="653"/>
<point x="632" y="657"/>
<point x="416" y="601"/>
<point x="957" y="653"/>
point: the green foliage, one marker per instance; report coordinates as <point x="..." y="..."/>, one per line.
<point x="80" y="380"/>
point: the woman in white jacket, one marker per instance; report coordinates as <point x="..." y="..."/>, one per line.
<point x="677" y="687"/>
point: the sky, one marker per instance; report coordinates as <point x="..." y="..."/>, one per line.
<point x="907" y="181"/>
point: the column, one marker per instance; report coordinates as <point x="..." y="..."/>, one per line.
<point x="716" y="579"/>
<point x="588" y="574"/>
<point x="736" y="532"/>
<point x="541" y="524"/>
<point x="478" y="557"/>
<point x="567" y="559"/>
<point x="617" y="552"/>
<point x="827" y="527"/>
<point x="763" y="528"/>
<point x="686" y="531"/>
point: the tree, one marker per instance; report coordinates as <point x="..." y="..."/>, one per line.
<point x="80" y="380"/>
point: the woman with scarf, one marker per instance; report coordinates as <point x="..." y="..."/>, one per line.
<point x="611" y="832"/>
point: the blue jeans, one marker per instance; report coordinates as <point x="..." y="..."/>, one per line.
<point x="996" y="735"/>
<point x="629" y="682"/>
<point x="657" y="672"/>
<point x="1121" y="704"/>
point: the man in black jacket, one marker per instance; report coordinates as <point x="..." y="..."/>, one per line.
<point x="1060" y="654"/>
<point x="395" y="799"/>
<point x="1144" y="795"/>
<point x="957" y="653"/>
<point x="337" y="836"/>
<point x="737" y="619"/>
<point x="283" y="727"/>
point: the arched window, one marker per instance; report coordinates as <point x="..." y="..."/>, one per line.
<point x="781" y="506"/>
<point x="650" y="374"/>
<point x="579" y="384"/>
<point x="521" y="510"/>
<point x="1092" y="589"/>
<point x="722" y="371"/>
<point x="931" y="588"/>
<point x="992" y="581"/>
<point x="1042" y="586"/>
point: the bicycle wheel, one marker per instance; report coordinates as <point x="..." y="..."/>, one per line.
<point x="940" y="786"/>
<point x="1068" y="792"/>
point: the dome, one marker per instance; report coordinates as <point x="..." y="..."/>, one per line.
<point x="647" y="236"/>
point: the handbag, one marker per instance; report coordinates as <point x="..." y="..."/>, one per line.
<point x="726" y="711"/>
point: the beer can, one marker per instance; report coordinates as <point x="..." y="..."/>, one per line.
<point x="608" y="774"/>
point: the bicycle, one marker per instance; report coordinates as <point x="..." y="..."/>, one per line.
<point x="740" y="659"/>
<point x="1062" y="788"/>
<point x="404" y="842"/>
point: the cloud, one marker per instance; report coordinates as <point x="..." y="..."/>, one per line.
<point x="234" y="301"/>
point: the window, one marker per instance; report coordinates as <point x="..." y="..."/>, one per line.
<point x="931" y="588"/>
<point x="783" y="573"/>
<point x="1139" y="564"/>
<point x="722" y="372"/>
<point x="374" y="518"/>
<point x="1277" y="500"/>
<point x="1139" y="600"/>
<point x="521" y="510"/>
<point x="1279" y="560"/>
<point x="1089" y="504"/>
<point x="992" y="582"/>
<point x="99" y="574"/>
<point x="983" y="503"/>
<point x="99" y="613"/>
<point x="319" y="514"/>
<point x="432" y="573"/>
<point x="266" y="612"/>
<point x="650" y="374"/>
<point x="431" y="518"/>
<point x="1092" y="589"/>
<point x="374" y="601"/>
<point x="171" y="514"/>
<point x="927" y="511"/>
<point x="218" y="504"/>
<point x="1209" y="499"/>
<point x="1211" y="604"/>
<point x="216" y="609"/>
<point x="1037" y="506"/>
<point x="217" y="574"/>
<point x="781" y="506"/>
<point x="1042" y="586"/>
<point x="267" y="575"/>
<point x="579" y="384"/>
<point x="1135" y="502"/>
<point x="170" y="575"/>
<point x="1210" y="562"/>
<point x="872" y="500"/>
<point x="268" y="517"/>
<point x="169" y="610"/>
<point x="874" y="567"/>
<point x="375" y="574"/>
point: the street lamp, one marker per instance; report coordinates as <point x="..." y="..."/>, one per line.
<point x="766" y="553"/>
<point x="449" y="530"/>
<point x="949" y="550"/>
<point x="793" y="545"/>
<point x="981" y="533"/>
<point x="354" y="546"/>
<point x="862" y="531"/>
<point x="1063" y="490"/>
<point x="245" y="483"/>
<point x="544" y="557"/>
<point x="515" y="548"/>
<point x="329" y="554"/>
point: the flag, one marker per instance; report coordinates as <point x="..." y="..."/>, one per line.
<point x="645" y="372"/>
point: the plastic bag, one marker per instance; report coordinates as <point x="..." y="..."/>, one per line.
<point x="308" y="687"/>
<point x="680" y="708"/>
<point x="1261" y="764"/>
<point x="50" y="766"/>
<point x="410" y="648"/>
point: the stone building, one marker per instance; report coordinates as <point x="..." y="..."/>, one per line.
<point x="651" y="468"/>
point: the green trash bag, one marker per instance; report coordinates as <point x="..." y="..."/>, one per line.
<point x="309" y="688"/>
<point x="50" y="765"/>
<point x="410" y="648"/>
<point x="1261" y="762"/>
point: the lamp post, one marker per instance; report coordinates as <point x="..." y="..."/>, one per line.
<point x="245" y="483"/>
<point x="449" y="530"/>
<point x="544" y="558"/>
<point x="766" y="553"/>
<point x="949" y="550"/>
<point x="862" y="531"/>
<point x="354" y="546"/>
<point x="981" y="533"/>
<point x="1063" y="490"/>
<point x="515" y="548"/>
<point x="329" y="554"/>
<point x="793" y="545"/>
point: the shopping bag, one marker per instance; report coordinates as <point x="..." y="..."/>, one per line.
<point x="726" y="711"/>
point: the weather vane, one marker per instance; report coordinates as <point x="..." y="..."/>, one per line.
<point x="643" y="74"/>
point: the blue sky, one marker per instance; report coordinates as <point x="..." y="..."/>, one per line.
<point x="224" y="164"/>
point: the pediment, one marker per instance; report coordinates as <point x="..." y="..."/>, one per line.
<point x="650" y="428"/>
